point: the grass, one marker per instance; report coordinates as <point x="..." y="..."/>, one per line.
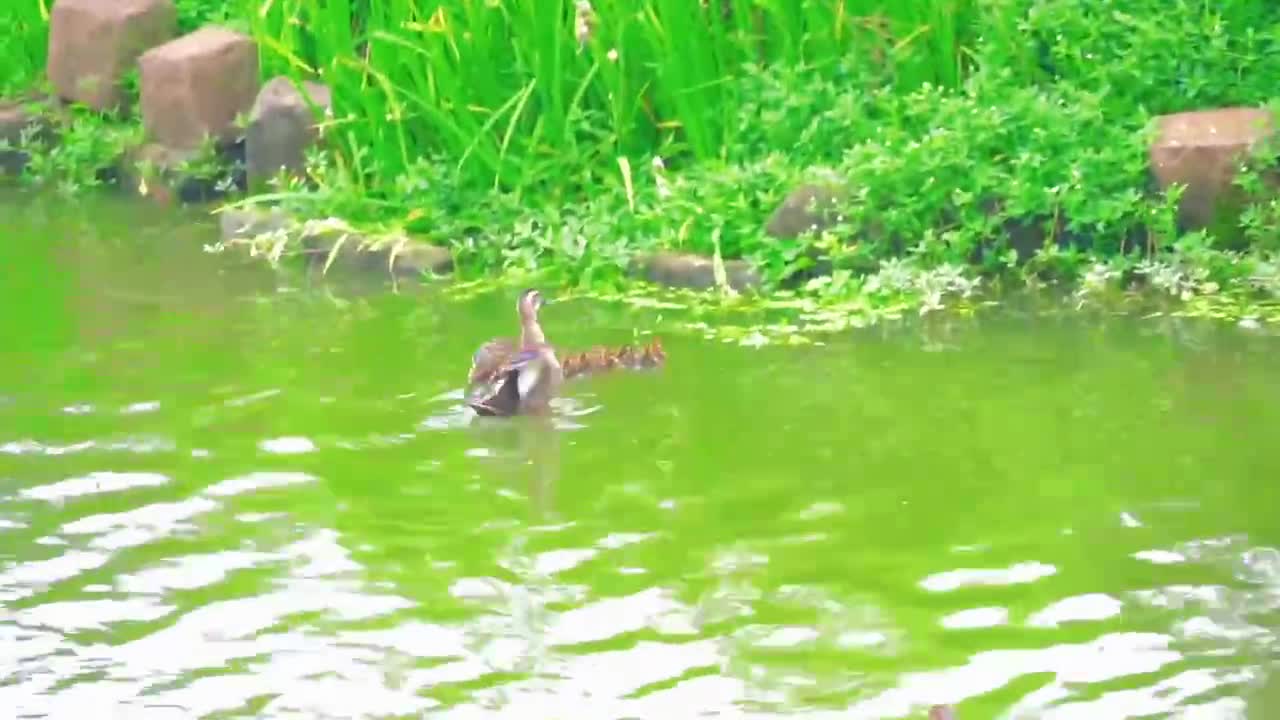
<point x="983" y="144"/>
<point x="514" y="93"/>
<point x="23" y="42"/>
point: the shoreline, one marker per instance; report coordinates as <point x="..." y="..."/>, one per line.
<point x="749" y="319"/>
<point x="912" y="200"/>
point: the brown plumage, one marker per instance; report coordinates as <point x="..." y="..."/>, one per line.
<point x="507" y="378"/>
<point x="603" y="358"/>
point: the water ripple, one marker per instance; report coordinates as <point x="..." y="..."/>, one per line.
<point x="287" y="446"/>
<point x="143" y="525"/>
<point x="258" y="481"/>
<point x="92" y="484"/>
<point x="141" y="445"/>
<point x="968" y="577"/>
<point x="73" y="615"/>
<point x="353" y="542"/>
<point x="1094" y="606"/>
<point x="190" y="572"/>
<point x="27" y="578"/>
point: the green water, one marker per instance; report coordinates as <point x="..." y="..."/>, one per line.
<point x="229" y="492"/>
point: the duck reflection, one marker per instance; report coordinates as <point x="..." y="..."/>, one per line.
<point x="539" y="443"/>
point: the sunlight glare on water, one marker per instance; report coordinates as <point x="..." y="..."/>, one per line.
<point x="231" y="492"/>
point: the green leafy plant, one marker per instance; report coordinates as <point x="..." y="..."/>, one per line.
<point x="77" y="150"/>
<point x="977" y="146"/>
<point x="24" y="30"/>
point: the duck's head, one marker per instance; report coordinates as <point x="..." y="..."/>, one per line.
<point x="529" y="303"/>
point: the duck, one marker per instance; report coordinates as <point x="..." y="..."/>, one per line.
<point x="516" y="377"/>
<point x="521" y="376"/>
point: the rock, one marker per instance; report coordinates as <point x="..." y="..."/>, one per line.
<point x="15" y="122"/>
<point x="1026" y="234"/>
<point x="696" y="271"/>
<point x="149" y="169"/>
<point x="1201" y="149"/>
<point x="93" y="43"/>
<point x="412" y="259"/>
<point x="418" y="258"/>
<point x="170" y="175"/>
<point x="244" y="223"/>
<point x="809" y="207"/>
<point x="320" y="238"/>
<point x="281" y="128"/>
<point x="195" y="86"/>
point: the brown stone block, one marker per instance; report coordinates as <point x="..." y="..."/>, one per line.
<point x="1201" y="150"/>
<point x="196" y="85"/>
<point x="93" y="43"/>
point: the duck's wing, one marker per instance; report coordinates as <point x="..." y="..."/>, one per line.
<point x="501" y="397"/>
<point x="488" y="379"/>
<point x="513" y="381"/>
<point x="489" y="360"/>
<point x="527" y="367"/>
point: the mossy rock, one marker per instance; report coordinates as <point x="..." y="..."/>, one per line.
<point x="696" y="272"/>
<point x="245" y="223"/>
<point x="403" y="257"/>
<point x="188" y="177"/>
<point x="327" y="245"/>
<point x="811" y="207"/>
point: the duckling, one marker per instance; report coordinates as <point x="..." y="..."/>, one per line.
<point x="600" y="358"/>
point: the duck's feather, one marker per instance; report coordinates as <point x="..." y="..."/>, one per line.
<point x="527" y="377"/>
<point x="502" y="389"/>
<point x="500" y="399"/>
<point x="490" y="359"/>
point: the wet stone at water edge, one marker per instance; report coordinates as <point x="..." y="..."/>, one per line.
<point x="697" y="272"/>
<point x="282" y="126"/>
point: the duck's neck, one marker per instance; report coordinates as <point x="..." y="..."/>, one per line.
<point x="531" y="331"/>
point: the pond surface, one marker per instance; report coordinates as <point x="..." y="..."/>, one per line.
<point x="230" y="492"/>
